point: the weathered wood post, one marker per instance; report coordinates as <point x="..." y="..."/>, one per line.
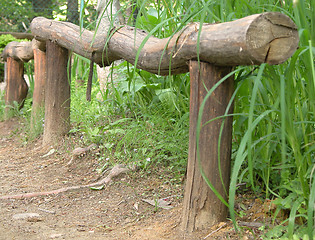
<point x="15" y="54"/>
<point x="16" y="87"/>
<point x="201" y="207"/>
<point x="57" y="94"/>
<point x="40" y="67"/>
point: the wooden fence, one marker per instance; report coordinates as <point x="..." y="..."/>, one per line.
<point x="262" y="38"/>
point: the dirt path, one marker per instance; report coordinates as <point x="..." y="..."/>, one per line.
<point x="116" y="212"/>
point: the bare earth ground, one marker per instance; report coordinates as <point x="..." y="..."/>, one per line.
<point x="115" y="212"/>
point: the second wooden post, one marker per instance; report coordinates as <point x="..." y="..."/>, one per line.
<point x="40" y="69"/>
<point x="16" y="88"/>
<point x="57" y="94"/>
<point x="202" y="208"/>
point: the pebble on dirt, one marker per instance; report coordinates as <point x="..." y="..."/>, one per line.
<point x="30" y="217"/>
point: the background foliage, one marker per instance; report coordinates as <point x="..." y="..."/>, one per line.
<point x="16" y="15"/>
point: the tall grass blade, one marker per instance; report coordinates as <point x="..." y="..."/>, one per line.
<point x="250" y="121"/>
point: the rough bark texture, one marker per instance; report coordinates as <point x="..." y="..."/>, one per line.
<point x="21" y="51"/>
<point x="267" y="37"/>
<point x="39" y="86"/>
<point x="57" y="94"/>
<point x="201" y="206"/>
<point x="39" y="45"/>
<point x="40" y="78"/>
<point x="16" y="87"/>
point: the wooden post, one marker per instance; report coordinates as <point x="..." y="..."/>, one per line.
<point x="40" y="78"/>
<point x="57" y="94"/>
<point x="16" y="87"/>
<point x="39" y="87"/>
<point x="201" y="207"/>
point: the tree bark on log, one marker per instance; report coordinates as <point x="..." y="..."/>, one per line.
<point x="57" y="94"/>
<point x="261" y="38"/>
<point x="16" y="87"/>
<point x="202" y="208"/>
<point x="40" y="67"/>
<point x="21" y="51"/>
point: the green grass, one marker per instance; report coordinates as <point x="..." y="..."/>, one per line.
<point x="142" y="136"/>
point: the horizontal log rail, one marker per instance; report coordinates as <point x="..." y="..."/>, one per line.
<point x="261" y="38"/>
<point x="19" y="35"/>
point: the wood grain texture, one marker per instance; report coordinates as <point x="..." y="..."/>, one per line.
<point x="21" y="51"/>
<point x="57" y="94"/>
<point x="268" y="37"/>
<point x="40" y="70"/>
<point x="16" y="88"/>
<point x="201" y="207"/>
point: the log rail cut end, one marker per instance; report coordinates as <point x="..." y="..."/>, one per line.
<point x="272" y="38"/>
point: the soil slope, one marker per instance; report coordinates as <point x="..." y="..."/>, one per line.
<point x="117" y="211"/>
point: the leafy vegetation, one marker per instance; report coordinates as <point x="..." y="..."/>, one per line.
<point x="143" y="118"/>
<point x="115" y="116"/>
<point x="16" y="16"/>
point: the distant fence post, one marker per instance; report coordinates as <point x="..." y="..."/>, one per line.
<point x="16" y="87"/>
<point x="57" y="94"/>
<point x="201" y="207"/>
